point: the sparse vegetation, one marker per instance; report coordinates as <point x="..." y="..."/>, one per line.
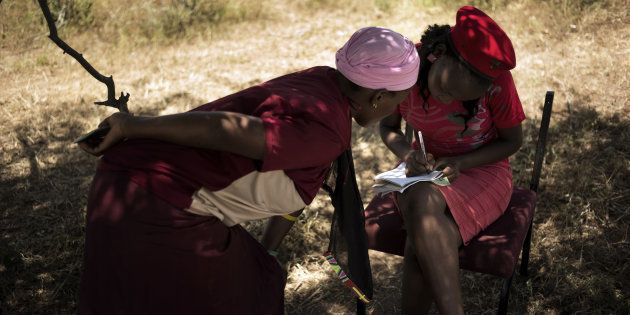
<point x="173" y="55"/>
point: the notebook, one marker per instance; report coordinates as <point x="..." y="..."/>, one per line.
<point x="396" y="180"/>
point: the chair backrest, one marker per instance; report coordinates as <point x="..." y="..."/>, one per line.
<point x="542" y="141"/>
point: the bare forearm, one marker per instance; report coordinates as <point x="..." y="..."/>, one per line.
<point x="490" y="153"/>
<point x="223" y="131"/>
<point x="395" y="141"/>
<point x="393" y="137"/>
<point x="509" y="140"/>
<point x="276" y="229"/>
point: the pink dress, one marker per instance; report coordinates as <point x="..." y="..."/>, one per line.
<point x="480" y="194"/>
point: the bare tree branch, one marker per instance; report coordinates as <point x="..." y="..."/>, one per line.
<point x="121" y="102"/>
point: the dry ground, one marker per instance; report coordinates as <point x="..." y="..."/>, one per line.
<point x="580" y="260"/>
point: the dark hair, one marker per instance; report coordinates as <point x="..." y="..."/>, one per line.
<point x="434" y="35"/>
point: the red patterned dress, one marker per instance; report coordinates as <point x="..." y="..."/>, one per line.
<point x="480" y="194"/>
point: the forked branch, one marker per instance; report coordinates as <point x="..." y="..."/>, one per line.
<point x="121" y="102"/>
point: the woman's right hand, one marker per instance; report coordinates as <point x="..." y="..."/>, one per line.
<point x="117" y="124"/>
<point x="417" y="164"/>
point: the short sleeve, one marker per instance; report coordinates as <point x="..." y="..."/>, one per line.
<point x="504" y="103"/>
<point x="298" y="142"/>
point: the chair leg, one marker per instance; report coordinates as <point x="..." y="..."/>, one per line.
<point x="505" y="295"/>
<point x="360" y="307"/>
<point x="525" y="255"/>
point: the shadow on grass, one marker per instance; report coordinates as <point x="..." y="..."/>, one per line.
<point x="581" y="251"/>
<point x="42" y="216"/>
<point x="579" y="255"/>
<point x="44" y="186"/>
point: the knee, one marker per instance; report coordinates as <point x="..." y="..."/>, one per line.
<point x="420" y="200"/>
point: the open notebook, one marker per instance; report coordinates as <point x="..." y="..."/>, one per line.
<point x="396" y="180"/>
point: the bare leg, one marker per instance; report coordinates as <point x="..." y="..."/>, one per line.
<point x="435" y="239"/>
<point x="416" y="294"/>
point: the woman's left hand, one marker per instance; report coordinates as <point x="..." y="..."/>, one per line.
<point x="449" y="166"/>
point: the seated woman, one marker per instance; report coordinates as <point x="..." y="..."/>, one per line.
<point x="164" y="207"/>
<point x="466" y="105"/>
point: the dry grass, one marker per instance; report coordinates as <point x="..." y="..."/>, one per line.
<point x="580" y="257"/>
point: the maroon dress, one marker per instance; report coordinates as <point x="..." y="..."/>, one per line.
<point x="147" y="253"/>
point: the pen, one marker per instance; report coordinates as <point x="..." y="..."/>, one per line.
<point x="421" y="142"/>
<point x="422" y="149"/>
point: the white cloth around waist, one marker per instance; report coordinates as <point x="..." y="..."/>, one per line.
<point x="255" y="196"/>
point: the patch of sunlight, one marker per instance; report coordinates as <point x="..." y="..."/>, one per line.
<point x="319" y="203"/>
<point x="169" y="110"/>
<point x="156" y="87"/>
<point x="303" y="277"/>
<point x="20" y="167"/>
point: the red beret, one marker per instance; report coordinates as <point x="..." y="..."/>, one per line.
<point x="481" y="43"/>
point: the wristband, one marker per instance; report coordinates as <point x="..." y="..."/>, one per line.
<point x="289" y="217"/>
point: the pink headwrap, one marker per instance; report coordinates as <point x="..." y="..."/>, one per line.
<point x="379" y="58"/>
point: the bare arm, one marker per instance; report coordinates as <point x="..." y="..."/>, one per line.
<point x="394" y="139"/>
<point x="506" y="144"/>
<point x="509" y="140"/>
<point x="223" y="131"/>
<point x="276" y="229"/>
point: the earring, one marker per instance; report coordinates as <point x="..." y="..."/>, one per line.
<point x="432" y="58"/>
<point x="374" y="105"/>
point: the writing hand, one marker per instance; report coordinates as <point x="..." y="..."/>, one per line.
<point x="417" y="164"/>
